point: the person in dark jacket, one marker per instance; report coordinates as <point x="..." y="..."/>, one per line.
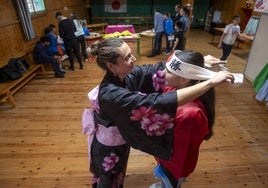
<point x="41" y="56"/>
<point x="66" y="32"/>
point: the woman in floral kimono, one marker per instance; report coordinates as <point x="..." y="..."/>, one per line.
<point x="129" y="112"/>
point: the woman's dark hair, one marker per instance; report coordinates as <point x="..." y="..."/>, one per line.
<point x="107" y="51"/>
<point x="208" y="99"/>
<point x="186" y="11"/>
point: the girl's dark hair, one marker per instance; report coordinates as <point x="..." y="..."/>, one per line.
<point x="208" y="99"/>
<point x="107" y="51"/>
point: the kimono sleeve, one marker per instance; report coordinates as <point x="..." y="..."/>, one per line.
<point x="144" y="121"/>
<point x="141" y="77"/>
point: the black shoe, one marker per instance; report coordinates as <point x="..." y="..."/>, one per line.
<point x="63" y="72"/>
<point x="158" y="53"/>
<point x="71" y="68"/>
<point x="81" y="66"/>
<point x="151" y="55"/>
<point x="59" y="75"/>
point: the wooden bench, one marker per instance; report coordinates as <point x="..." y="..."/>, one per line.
<point x="8" y="89"/>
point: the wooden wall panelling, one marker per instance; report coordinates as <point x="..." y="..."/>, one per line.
<point x="13" y="42"/>
<point x="4" y="52"/>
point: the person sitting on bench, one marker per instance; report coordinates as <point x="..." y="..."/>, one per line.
<point x="41" y="56"/>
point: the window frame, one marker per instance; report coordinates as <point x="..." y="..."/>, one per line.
<point x="36" y="13"/>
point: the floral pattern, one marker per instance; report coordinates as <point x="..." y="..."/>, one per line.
<point x="154" y="124"/>
<point x="159" y="80"/>
<point x="110" y="162"/>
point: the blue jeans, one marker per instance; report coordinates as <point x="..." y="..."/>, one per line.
<point x="226" y="50"/>
<point x="157" y="43"/>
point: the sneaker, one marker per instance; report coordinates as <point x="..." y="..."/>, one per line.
<point x="167" y="53"/>
<point x="71" y="68"/>
<point x="160" y="174"/>
<point x="59" y="75"/>
<point x="156" y="185"/>
<point x="63" y="71"/>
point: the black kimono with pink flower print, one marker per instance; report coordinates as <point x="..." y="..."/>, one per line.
<point x="143" y="117"/>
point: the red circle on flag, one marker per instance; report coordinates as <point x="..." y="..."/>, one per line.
<point x="116" y="5"/>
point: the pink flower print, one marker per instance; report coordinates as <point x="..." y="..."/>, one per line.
<point x="157" y="124"/>
<point x="154" y="124"/>
<point x="159" y="80"/>
<point x="109" y="162"/>
<point x="141" y="112"/>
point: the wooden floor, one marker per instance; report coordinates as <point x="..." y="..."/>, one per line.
<point x="42" y="145"/>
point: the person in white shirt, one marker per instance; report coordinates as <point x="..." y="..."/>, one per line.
<point x="79" y="34"/>
<point x="230" y="33"/>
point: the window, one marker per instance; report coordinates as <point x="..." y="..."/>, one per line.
<point x="36" y="6"/>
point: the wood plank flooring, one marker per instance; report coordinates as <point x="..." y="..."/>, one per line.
<point x="42" y="144"/>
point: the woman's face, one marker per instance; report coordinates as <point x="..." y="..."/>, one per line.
<point x="175" y="81"/>
<point x="125" y="62"/>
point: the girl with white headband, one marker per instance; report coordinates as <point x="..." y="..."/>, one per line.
<point x="129" y="112"/>
<point x="193" y="121"/>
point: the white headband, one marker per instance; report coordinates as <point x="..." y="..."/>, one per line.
<point x="186" y="70"/>
<point x="193" y="72"/>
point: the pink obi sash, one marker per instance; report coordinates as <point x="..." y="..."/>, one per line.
<point x="109" y="136"/>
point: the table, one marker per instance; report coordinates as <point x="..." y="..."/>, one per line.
<point x="148" y="35"/>
<point x="93" y="38"/>
<point x="98" y="27"/>
<point x="119" y="28"/>
<point x="135" y="38"/>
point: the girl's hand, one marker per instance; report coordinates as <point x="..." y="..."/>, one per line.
<point x="221" y="77"/>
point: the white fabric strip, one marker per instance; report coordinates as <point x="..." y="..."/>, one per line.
<point x="193" y="72"/>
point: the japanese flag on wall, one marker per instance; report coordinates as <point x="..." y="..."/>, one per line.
<point x="116" y="6"/>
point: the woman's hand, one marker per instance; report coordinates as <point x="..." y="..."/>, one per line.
<point x="221" y="77"/>
<point x="211" y="61"/>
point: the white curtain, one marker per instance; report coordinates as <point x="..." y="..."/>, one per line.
<point x="25" y="19"/>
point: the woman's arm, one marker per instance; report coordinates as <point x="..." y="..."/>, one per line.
<point x="190" y="93"/>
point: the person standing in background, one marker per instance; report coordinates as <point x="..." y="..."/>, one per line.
<point x="178" y="37"/>
<point x="66" y="32"/>
<point x="158" y="30"/>
<point x="177" y="15"/>
<point x="79" y="34"/>
<point x="169" y="31"/>
<point x="184" y="12"/>
<point x="230" y="33"/>
<point x="85" y="29"/>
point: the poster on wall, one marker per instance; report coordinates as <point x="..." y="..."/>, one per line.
<point x="261" y="6"/>
<point x="115" y="6"/>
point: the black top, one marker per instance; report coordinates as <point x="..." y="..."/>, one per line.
<point x="179" y="35"/>
<point x="67" y="29"/>
<point x="117" y="100"/>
